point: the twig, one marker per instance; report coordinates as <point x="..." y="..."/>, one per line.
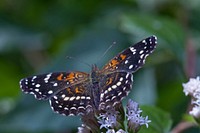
<point x="182" y="126"/>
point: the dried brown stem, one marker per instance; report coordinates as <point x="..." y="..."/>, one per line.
<point x="182" y="126"/>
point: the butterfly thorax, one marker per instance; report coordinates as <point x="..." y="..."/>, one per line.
<point x="95" y="74"/>
<point x="95" y="79"/>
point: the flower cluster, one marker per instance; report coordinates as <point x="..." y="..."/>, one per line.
<point x="115" y="120"/>
<point x="108" y="119"/>
<point x="135" y="120"/>
<point x="192" y="88"/>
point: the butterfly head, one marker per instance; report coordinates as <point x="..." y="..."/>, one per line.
<point x="95" y="73"/>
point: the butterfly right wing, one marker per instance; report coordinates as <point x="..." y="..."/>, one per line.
<point x="115" y="86"/>
<point x="132" y="58"/>
<point x="118" y="72"/>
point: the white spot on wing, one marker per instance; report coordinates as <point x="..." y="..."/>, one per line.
<point x="50" y="92"/>
<point x="141" y="51"/>
<point x="124" y="88"/>
<point x="66" y="108"/>
<point x="106" y="92"/>
<point x="47" y="77"/>
<point x="88" y="98"/>
<point x="119" y="93"/>
<point x="74" y="108"/>
<point x="63" y="96"/>
<point x="144" y="41"/>
<point x="133" y="50"/>
<point x="109" y="89"/>
<point x="127" y="75"/>
<point x="37" y="85"/>
<point x="34" y="77"/>
<point x="72" y="98"/>
<point x="66" y="98"/>
<point x="113" y="97"/>
<point x="107" y="100"/>
<point x="141" y="56"/>
<point x="82" y="97"/>
<point x="131" y="66"/>
<point x="114" y="86"/>
<point x="78" y="97"/>
<point x="55" y="84"/>
<point x="102" y="95"/>
<point x="81" y="107"/>
<point x="118" y="83"/>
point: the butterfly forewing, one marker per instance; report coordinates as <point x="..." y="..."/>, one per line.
<point x="133" y="58"/>
<point x="42" y="86"/>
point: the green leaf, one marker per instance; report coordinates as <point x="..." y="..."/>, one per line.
<point x="171" y="35"/>
<point x="160" y="120"/>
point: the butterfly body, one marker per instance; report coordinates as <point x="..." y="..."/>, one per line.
<point x="75" y="92"/>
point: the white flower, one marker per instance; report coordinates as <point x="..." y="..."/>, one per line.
<point x="195" y="111"/>
<point x="192" y="86"/>
<point x="121" y="131"/>
<point x="135" y="120"/>
<point x="110" y="131"/>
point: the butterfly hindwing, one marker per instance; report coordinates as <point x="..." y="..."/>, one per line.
<point x="114" y="87"/>
<point x="73" y="100"/>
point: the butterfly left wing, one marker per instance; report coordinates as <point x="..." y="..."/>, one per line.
<point x="46" y="85"/>
<point x="118" y="77"/>
<point x="68" y="92"/>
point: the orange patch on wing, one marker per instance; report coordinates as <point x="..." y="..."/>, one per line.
<point x="109" y="81"/>
<point x="78" y="90"/>
<point x="70" y="76"/>
<point x="69" y="91"/>
<point x="123" y="56"/>
<point x="114" y="63"/>
<point x="60" y="77"/>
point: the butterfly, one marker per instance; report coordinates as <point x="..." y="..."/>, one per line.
<point x="75" y="92"/>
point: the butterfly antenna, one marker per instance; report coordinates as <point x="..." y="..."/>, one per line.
<point x="85" y="63"/>
<point x="114" y="43"/>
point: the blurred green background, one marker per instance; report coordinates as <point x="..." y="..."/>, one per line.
<point x="37" y="35"/>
